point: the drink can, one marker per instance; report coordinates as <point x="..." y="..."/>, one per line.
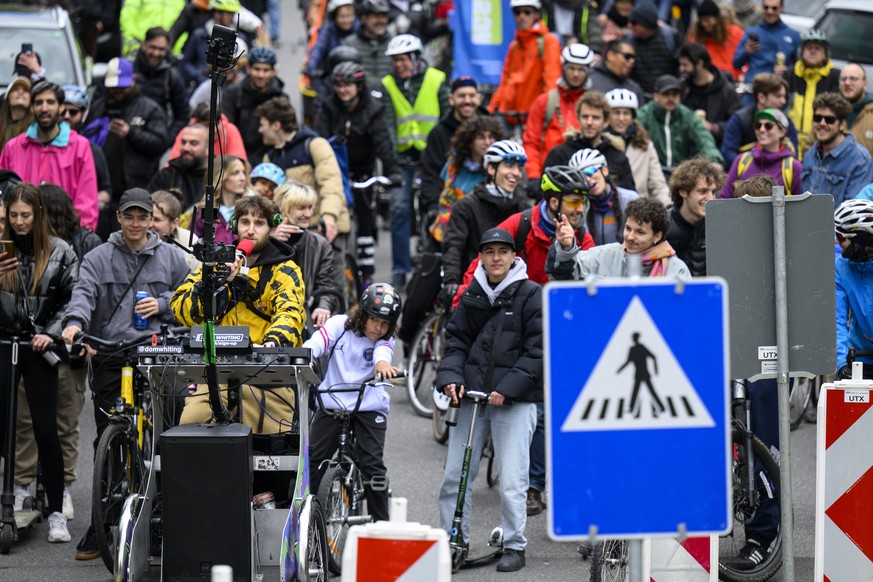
<point x="140" y="322"/>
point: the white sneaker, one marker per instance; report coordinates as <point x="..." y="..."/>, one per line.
<point x="68" y="511"/>
<point x="58" y="531"/>
<point x="21" y="492"/>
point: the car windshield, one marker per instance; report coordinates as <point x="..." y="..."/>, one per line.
<point x="50" y="45"/>
<point x="804" y="7"/>
<point x="849" y="34"/>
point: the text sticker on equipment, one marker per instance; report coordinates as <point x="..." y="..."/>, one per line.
<point x="857" y="396"/>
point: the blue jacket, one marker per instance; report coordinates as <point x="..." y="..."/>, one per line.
<point x="773" y="38"/>
<point x="854" y="308"/>
<point x="329" y="37"/>
<point x="842" y="172"/>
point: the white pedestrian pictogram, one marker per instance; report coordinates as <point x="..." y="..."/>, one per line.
<point x="612" y="397"/>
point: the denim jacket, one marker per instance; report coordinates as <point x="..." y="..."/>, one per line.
<point x="842" y="172"/>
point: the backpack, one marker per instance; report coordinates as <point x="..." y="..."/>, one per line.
<point x="522" y="232"/>
<point x="553" y="107"/>
<point x="787" y="169"/>
<point x="341" y="151"/>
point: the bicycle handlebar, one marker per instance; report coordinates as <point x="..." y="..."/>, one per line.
<point x="165" y="333"/>
<point x="359" y="388"/>
<point x="369" y="182"/>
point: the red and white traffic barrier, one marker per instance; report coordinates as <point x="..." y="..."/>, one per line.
<point x="691" y="560"/>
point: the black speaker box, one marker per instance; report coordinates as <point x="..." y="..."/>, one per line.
<point x="206" y="490"/>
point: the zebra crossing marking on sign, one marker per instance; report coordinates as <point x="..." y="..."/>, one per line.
<point x="637" y="383"/>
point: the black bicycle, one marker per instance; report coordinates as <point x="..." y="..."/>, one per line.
<point x="125" y="448"/>
<point x="342" y="490"/>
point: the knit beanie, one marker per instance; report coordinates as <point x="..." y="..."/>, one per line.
<point x="646" y="14"/>
<point x="708" y="8"/>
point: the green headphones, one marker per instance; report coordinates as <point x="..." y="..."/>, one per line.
<point x="275" y="221"/>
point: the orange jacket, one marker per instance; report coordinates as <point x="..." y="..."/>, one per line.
<point x="532" y="66"/>
<point x="536" y="144"/>
<point x="723" y="54"/>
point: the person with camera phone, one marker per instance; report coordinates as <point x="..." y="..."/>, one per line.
<point x="36" y="283"/>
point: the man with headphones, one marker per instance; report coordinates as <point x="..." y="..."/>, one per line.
<point x="265" y="292"/>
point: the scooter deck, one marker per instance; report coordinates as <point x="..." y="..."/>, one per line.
<point x="26" y="518"/>
<point x="482" y="556"/>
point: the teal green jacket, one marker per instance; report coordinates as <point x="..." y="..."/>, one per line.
<point x="677" y="135"/>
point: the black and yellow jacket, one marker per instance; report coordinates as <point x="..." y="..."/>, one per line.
<point x="269" y="300"/>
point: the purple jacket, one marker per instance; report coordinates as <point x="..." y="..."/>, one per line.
<point x="764" y="162"/>
<point x="67" y="161"/>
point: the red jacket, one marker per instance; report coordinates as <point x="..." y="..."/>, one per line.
<point x="537" y="145"/>
<point x="536" y="250"/>
<point x="532" y="66"/>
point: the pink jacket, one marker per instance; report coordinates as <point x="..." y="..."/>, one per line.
<point x="66" y="161"/>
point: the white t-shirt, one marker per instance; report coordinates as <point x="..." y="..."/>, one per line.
<point x="353" y="361"/>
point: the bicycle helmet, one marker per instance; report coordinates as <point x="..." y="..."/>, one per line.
<point x="75" y="95"/>
<point x="562" y="181"/>
<point x="381" y="300"/>
<point x="348" y="72"/>
<point x="587" y="158"/>
<point x="814" y="35"/>
<point x="403" y="44"/>
<point x="262" y="54"/>
<point x="269" y="171"/>
<point x="233" y="6"/>
<point x="520" y="3"/>
<point x="504" y="150"/>
<point x="853" y="217"/>
<point x="622" y="99"/>
<point x="374" y="7"/>
<point x="577" y="54"/>
<point x="342" y="54"/>
<point x="334" y="4"/>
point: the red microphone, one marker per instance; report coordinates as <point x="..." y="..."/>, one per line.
<point x="245" y="247"/>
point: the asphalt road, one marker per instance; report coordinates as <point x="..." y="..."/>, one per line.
<point x="414" y="461"/>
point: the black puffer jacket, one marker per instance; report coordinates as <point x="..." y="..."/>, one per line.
<point x="506" y="337"/>
<point x="654" y="59"/>
<point x="364" y="132"/>
<point x="165" y="86"/>
<point x="471" y="216"/>
<point x="53" y="292"/>
<point x="619" y="167"/>
<point x="719" y="99"/>
<point x="314" y="255"/>
<point x="239" y="103"/>
<point x="176" y="177"/>
<point x="689" y="242"/>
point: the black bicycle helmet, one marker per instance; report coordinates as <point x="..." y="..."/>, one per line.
<point x="374" y="7"/>
<point x="342" y="54"/>
<point x="563" y="181"/>
<point x="348" y="72"/>
<point x="381" y="300"/>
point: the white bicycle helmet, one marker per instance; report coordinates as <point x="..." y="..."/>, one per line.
<point x="334" y="4"/>
<point x="577" y="54"/>
<point x="854" y="216"/>
<point x="521" y="3"/>
<point x="587" y="158"/>
<point x="622" y="98"/>
<point x="503" y="149"/>
<point x="403" y="44"/>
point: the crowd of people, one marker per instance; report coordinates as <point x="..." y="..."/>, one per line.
<point x="611" y="128"/>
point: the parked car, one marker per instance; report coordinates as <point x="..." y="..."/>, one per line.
<point x="849" y="24"/>
<point x="51" y="33"/>
<point x="801" y="14"/>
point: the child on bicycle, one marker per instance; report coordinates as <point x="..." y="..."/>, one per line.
<point x="358" y="345"/>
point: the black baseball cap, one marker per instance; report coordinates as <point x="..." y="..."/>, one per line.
<point x="497" y="235"/>
<point x="136" y="197"/>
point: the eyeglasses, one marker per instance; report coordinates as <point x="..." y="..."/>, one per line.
<point x="850" y="79"/>
<point x="591" y="170"/>
<point x="525" y="11"/>
<point x="514" y="160"/>
<point x="828" y="119"/>
<point x="139" y="219"/>
<point x="629" y="56"/>
<point x="765" y="125"/>
<point x="575" y="203"/>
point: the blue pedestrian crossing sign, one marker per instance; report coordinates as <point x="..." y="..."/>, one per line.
<point x="637" y="408"/>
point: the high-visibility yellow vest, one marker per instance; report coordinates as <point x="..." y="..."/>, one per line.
<point x="414" y="122"/>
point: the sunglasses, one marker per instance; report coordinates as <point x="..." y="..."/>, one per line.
<point x="575" y="203"/>
<point x="525" y="11"/>
<point x="766" y="125"/>
<point x="513" y="160"/>
<point x="591" y="170"/>
<point x="770" y="8"/>
<point x="629" y="56"/>
<point x="828" y="119"/>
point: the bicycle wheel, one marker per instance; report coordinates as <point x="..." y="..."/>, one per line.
<point x="609" y="562"/>
<point x="317" y="548"/>
<point x="798" y="400"/>
<point x="746" y="506"/>
<point x="440" y="428"/>
<point x="336" y="498"/>
<point x="424" y="361"/>
<point x="118" y="472"/>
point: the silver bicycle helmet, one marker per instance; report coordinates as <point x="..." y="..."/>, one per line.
<point x="854" y="216"/>
<point x="577" y="54"/>
<point x="622" y="99"/>
<point x="587" y="158"/>
<point x="504" y="149"/>
<point x="403" y="44"/>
